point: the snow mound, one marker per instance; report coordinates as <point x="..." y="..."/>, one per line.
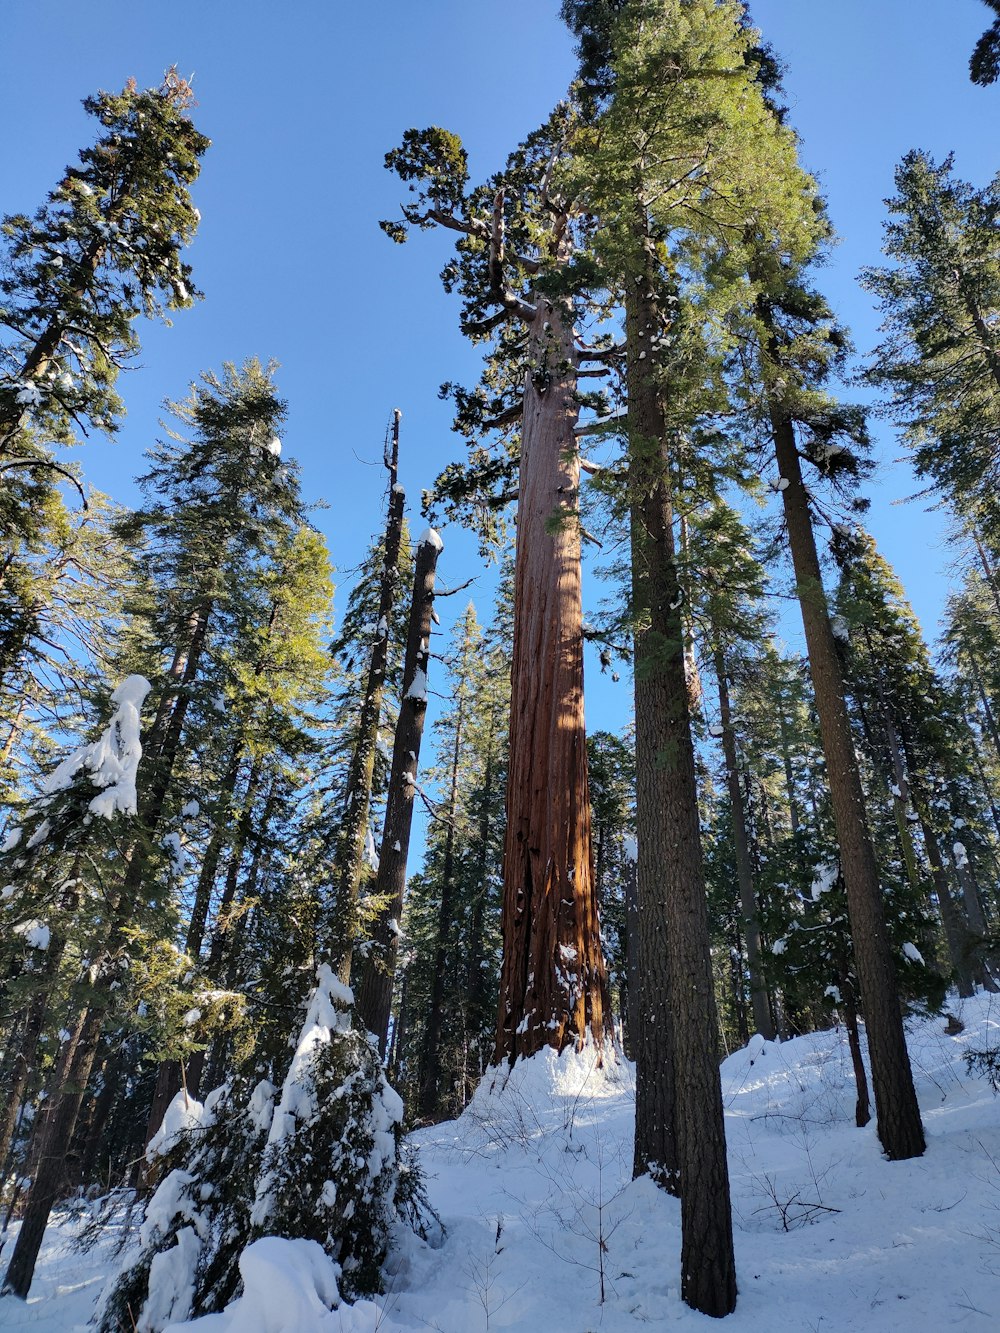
<point x="551" y="1075"/>
<point x="183" y="1113"/>
<point x="534" y="1186"/>
<point x="539" y="1100"/>
<point x="289" y="1286"/>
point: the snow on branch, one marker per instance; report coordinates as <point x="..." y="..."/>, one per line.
<point x="111" y="760"/>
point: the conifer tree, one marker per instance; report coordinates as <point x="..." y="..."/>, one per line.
<point x="612" y="796"/>
<point x="707" y="122"/>
<point x="730" y="593"/>
<point x="514" y="268"/>
<point x="316" y="1162"/>
<point x="353" y="830"/>
<point x="941" y="359"/>
<point x="217" y="500"/>
<point x="443" y="1035"/>
<point x="984" y="63"/>
<point x="104" y="249"/>
<point x="62" y="598"/>
<point x="799" y="346"/>
<point x="923" y="745"/>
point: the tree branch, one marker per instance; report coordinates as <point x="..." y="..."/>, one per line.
<point x="54" y="467"/>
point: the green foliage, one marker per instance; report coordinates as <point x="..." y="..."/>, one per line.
<point x="449" y="971"/>
<point x="104" y="249"/>
<point x="984" y="63"/>
<point x="940" y="361"/>
<point x="321" y="1161"/>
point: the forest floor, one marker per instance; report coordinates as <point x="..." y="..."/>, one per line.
<point x="533" y="1184"/>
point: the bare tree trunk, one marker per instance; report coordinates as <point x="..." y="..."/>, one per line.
<point x="862" y="1108"/>
<point x="744" y="872"/>
<point x="50" y="1173"/>
<point x="374" y="996"/>
<point x="206" y="877"/>
<point x="353" y="832"/>
<point x="899" y="1127"/>
<point x="553" y="983"/>
<point x="676" y="981"/>
<point x="633" y="1014"/>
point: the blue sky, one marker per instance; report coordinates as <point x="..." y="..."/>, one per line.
<point x="303" y="99"/>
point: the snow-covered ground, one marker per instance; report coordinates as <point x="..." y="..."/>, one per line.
<point x="534" y="1186"/>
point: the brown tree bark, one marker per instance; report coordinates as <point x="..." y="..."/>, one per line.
<point x="50" y="1169"/>
<point x="898" y="1115"/>
<point x="374" y="994"/>
<point x="677" y="997"/>
<point x="553" y="984"/>
<point x="862" y="1106"/>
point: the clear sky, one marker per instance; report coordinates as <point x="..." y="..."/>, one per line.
<point x="302" y="100"/>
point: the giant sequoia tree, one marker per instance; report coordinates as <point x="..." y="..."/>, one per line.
<point x="513" y="265"/>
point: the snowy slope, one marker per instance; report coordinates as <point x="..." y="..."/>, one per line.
<point x="534" y="1185"/>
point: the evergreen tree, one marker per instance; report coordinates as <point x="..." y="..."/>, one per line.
<point x="611" y="762"/>
<point x="104" y="249"/>
<point x="444" y="1030"/>
<point x="921" y="742"/>
<point x="318" y="1162"/>
<point x="706" y="122"/>
<point x="514" y="266"/>
<point x="984" y="63"/>
<point x="941" y="359"/>
<point x="217" y="502"/>
<point x="800" y="345"/>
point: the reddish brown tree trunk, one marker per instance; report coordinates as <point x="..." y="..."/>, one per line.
<point x="553" y="984"/>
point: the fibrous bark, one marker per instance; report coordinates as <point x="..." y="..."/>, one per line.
<point x="676" y="982"/>
<point x="553" y="984"/>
